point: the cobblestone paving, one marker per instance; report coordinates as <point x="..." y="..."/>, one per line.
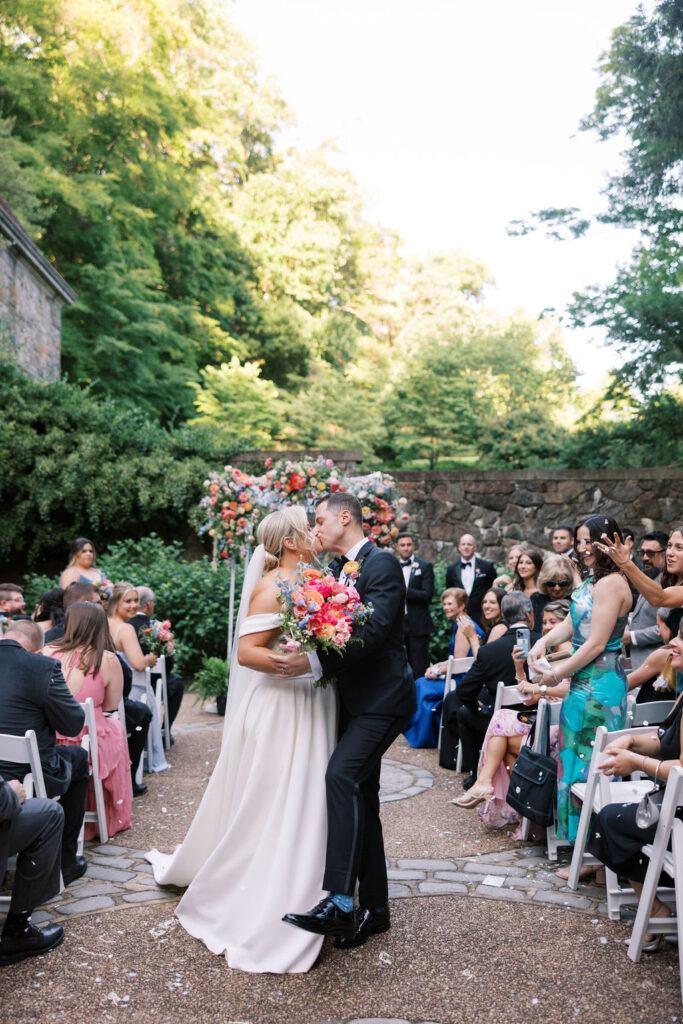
<point x="119" y="877"/>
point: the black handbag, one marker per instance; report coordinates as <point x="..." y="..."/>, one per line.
<point x="533" y="782"/>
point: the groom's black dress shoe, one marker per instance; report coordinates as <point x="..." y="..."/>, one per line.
<point x="325" y="919"/>
<point x="31" y="942"/>
<point x="368" y="922"/>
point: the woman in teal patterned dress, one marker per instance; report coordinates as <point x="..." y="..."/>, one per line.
<point x="598" y="690"/>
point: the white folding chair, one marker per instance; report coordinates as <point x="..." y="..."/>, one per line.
<point x="142" y="690"/>
<point x="89" y="742"/>
<point x="660" y="860"/>
<point x="161" y="696"/>
<point x="652" y="713"/>
<point x="23" y="750"/>
<point x="506" y="696"/>
<point x="456" y="667"/>
<point x="595" y="793"/>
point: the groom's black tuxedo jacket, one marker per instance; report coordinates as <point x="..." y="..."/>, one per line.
<point x="373" y="673"/>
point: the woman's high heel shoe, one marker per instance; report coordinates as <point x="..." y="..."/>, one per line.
<point x="478" y="794"/>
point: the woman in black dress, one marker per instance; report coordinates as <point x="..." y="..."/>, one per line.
<point x="616" y="840"/>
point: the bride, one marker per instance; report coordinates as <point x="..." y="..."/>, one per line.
<point x="256" y="847"/>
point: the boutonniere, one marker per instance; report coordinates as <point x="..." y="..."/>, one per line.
<point x="352" y="569"/>
<point x="478" y="572"/>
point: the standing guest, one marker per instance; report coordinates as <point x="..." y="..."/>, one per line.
<point x="31" y="829"/>
<point x="138" y="715"/>
<point x="668" y="594"/>
<point x="34" y="695"/>
<point x="527" y="571"/>
<point x="417" y="624"/>
<point x="562" y="541"/>
<point x="506" y="573"/>
<point x="642" y="636"/>
<point x="175" y="684"/>
<point x="598" y="689"/>
<point x="558" y="577"/>
<point x="81" y="567"/>
<point x="472" y="574"/>
<point x="12" y="602"/>
<point x="50" y="609"/>
<point x="91" y="669"/>
<point x="423" y="728"/>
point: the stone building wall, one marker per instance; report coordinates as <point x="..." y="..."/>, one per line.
<point x="30" y="318"/>
<point x="501" y="507"/>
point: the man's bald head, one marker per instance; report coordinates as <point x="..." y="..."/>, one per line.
<point x="27" y="633"/>
<point x="467" y="545"/>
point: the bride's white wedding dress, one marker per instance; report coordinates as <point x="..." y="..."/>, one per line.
<point x="256" y="847"/>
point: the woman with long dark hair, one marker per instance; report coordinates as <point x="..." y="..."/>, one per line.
<point x="91" y="669"/>
<point x="670" y="593"/>
<point x="527" y="570"/>
<point x="598" y="689"/>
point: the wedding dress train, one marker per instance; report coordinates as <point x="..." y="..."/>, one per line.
<point x="256" y="847"/>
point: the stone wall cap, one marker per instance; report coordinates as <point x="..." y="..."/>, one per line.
<point x="522" y="476"/>
<point x="12" y="229"/>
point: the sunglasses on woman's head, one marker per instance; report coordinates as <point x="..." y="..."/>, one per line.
<point x="558" y="583"/>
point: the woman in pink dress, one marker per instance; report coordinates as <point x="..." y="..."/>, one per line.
<point x="91" y="669"/>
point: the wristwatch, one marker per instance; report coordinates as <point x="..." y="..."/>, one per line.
<point x="543" y="690"/>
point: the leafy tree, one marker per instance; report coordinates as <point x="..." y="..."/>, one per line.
<point x="236" y="396"/>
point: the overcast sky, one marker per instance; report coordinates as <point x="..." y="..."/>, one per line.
<point x="456" y="118"/>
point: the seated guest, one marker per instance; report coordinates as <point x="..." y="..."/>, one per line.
<point x="423" y="728"/>
<point x="34" y="695"/>
<point x="31" y="830"/>
<point x="655" y="678"/>
<point x="491" y="616"/>
<point x="616" y="839"/>
<point x="642" y="636"/>
<point x="468" y="708"/>
<point x="472" y="574"/>
<point x="50" y="609"/>
<point x="509" y="730"/>
<point x="527" y="570"/>
<point x="122" y="606"/>
<point x="81" y="567"/>
<point x="138" y="715"/>
<point x="142" y="619"/>
<point x="91" y="669"/>
<point x="12" y="602"/>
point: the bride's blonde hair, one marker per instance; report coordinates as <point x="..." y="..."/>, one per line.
<point x="289" y="521"/>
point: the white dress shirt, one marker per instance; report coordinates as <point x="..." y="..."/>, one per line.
<point x="467" y="576"/>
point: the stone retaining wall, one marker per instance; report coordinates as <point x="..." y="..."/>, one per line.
<point x="30" y="318"/>
<point x="501" y="507"/>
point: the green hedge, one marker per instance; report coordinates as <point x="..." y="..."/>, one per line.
<point x="191" y="594"/>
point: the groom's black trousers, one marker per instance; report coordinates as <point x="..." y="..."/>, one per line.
<point x="355" y="846"/>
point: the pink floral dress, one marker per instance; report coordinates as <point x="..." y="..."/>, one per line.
<point x="114" y="762"/>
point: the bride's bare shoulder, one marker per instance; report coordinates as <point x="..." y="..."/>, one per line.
<point x="264" y="599"/>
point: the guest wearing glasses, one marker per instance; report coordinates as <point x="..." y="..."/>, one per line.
<point x="598" y="687"/>
<point x="558" y="577"/>
<point x="643" y="636"/>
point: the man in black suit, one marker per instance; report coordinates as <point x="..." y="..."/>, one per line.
<point x="377" y="698"/>
<point x="31" y="829"/>
<point x="34" y="695"/>
<point x="417" y="626"/>
<point x="175" y="683"/>
<point x="468" y="709"/>
<point x="472" y="574"/>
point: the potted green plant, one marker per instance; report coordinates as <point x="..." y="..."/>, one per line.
<point x="211" y="682"/>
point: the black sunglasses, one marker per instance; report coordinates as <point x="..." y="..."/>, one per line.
<point x="649" y="552"/>
<point x="558" y="583"/>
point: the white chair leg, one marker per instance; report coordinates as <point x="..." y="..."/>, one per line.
<point x="458" y="760"/>
<point x="677" y="847"/>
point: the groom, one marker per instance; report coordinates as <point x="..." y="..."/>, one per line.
<point x="377" y="698"/>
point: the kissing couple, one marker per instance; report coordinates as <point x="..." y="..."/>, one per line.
<point x="289" y="823"/>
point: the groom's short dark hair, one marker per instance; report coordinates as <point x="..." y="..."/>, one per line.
<point x="339" y="501"/>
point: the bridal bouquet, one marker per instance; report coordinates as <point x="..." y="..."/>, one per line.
<point x="319" y="612"/>
<point x="158" y="637"/>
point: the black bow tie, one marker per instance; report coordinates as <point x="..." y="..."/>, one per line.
<point x="465" y="565"/>
<point x="406" y="563"/>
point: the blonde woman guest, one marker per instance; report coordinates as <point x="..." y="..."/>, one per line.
<point x="91" y="669"/>
<point x="122" y="606"/>
<point x="81" y="567"/>
<point x="558" y="577"/>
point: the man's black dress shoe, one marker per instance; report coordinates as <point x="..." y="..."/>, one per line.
<point x="74" y="870"/>
<point x="32" y="942"/>
<point x="325" y="919"/>
<point x="368" y="922"/>
<point x="469" y="781"/>
<point x="139" y="789"/>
